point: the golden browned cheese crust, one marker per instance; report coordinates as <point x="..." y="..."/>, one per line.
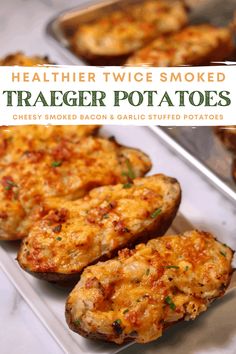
<point x="145" y="290"/>
<point x="58" y="167"/>
<point x="194" y="45"/>
<point x="16" y="140"/>
<point x="227" y="134"/>
<point x="23" y="60"/>
<point x="81" y="232"/>
<point x="124" y="31"/>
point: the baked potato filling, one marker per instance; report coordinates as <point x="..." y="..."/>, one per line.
<point x="39" y="163"/>
<point x="194" y="45"/>
<point x="81" y="232"/>
<point x="144" y="290"/>
<point x="21" y="59"/>
<point x="123" y="31"/>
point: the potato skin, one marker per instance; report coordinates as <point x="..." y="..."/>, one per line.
<point x="94" y="228"/>
<point x="194" y="45"/>
<point x="137" y="295"/>
<point x="234" y="169"/>
<point x="66" y="165"/>
<point x="227" y="135"/>
<point x="110" y="39"/>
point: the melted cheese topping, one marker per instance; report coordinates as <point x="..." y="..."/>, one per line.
<point x="143" y="291"/>
<point x="58" y="166"/>
<point x="108" y="218"/>
<point x="194" y="45"/>
<point x="23" y="60"/>
<point x="16" y="140"/>
<point x="122" y="32"/>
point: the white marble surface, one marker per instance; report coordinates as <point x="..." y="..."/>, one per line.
<point x="22" y="24"/>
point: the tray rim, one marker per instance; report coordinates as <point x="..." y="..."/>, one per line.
<point x="204" y="170"/>
<point x="44" y="313"/>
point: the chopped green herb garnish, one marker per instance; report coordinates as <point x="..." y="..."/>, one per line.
<point x="147" y="271"/>
<point x="172" y="266"/>
<point x="127" y="185"/>
<point x="156" y="213"/>
<point x="223" y="253"/>
<point x="10" y="184"/>
<point x="169" y="301"/>
<point x="118" y="321"/>
<point x="224" y="244"/>
<point x="77" y="322"/>
<point x="187" y="268"/>
<point x="125" y="311"/>
<point x="59" y="238"/>
<point x="105" y="216"/>
<point x="56" y="163"/>
<point x="130" y="173"/>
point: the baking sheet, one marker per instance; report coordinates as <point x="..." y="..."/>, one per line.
<point x="202" y="147"/>
<point x="61" y="27"/>
<point x="48" y="302"/>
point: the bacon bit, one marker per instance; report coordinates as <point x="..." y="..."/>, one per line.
<point x="91" y="283"/>
<point x="3" y="215"/>
<point x="119" y="227"/>
<point x="91" y="219"/>
<point x="34" y="156"/>
<point x="61" y="152"/>
<point x="3" y="146"/>
<point x="168" y="246"/>
<point x="57" y="216"/>
<point x="125" y="253"/>
<point x="113" y="205"/>
<point x="37" y="199"/>
<point x="108" y="290"/>
<point x="132" y="317"/>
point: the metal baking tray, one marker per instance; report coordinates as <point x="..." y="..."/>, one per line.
<point x="202" y="147"/>
<point x="48" y="301"/>
<point x="61" y="28"/>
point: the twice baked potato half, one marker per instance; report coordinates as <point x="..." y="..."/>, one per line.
<point x="60" y="168"/>
<point x="111" y="38"/>
<point x="137" y="295"/>
<point x="15" y="141"/>
<point x="194" y="45"/>
<point x="21" y="59"/>
<point x="227" y="135"/>
<point x="78" y="233"/>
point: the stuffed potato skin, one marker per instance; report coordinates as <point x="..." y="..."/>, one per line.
<point x="21" y="59"/>
<point x="109" y="218"/>
<point x="59" y="168"/>
<point x="121" y="32"/>
<point x="145" y="290"/>
<point x="227" y="135"/>
<point x="194" y="45"/>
